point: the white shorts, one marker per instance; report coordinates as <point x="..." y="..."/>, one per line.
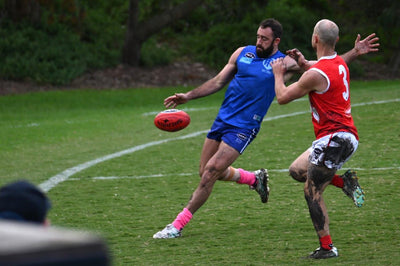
<point x="333" y="150"/>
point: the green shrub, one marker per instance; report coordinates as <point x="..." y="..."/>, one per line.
<point x="356" y="70"/>
<point x="63" y="44"/>
<point x="216" y="45"/>
<point x="29" y="53"/>
<point x="155" y="54"/>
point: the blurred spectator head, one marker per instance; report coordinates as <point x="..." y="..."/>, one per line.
<point x="23" y="201"/>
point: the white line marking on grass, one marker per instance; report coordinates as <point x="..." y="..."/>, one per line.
<point x="27" y="125"/>
<point x="308" y="112"/>
<point x="131" y="177"/>
<point x="61" y="177"/>
<point x="284" y="116"/>
<point x="194" y="174"/>
<point x="375" y="102"/>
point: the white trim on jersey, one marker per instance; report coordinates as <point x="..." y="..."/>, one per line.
<point x="325" y="76"/>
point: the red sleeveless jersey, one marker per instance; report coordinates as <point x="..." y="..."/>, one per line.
<point x="331" y="109"/>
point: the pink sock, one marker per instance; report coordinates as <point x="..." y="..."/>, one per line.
<point x="182" y="219"/>
<point x="246" y="177"/>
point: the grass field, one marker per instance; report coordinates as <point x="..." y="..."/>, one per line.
<point x="109" y="170"/>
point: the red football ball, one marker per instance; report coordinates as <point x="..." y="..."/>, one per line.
<point x="172" y="120"/>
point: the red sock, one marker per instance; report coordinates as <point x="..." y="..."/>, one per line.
<point x="326" y="242"/>
<point x="337" y="181"/>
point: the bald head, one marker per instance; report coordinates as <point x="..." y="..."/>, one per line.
<point x="327" y="31"/>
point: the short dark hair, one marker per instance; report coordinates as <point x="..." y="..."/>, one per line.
<point x="23" y="201"/>
<point x="275" y="26"/>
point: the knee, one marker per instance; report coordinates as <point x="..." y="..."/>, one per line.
<point x="202" y="170"/>
<point x="209" y="172"/>
<point x="208" y="178"/>
<point x="298" y="174"/>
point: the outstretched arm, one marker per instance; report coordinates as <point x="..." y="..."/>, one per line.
<point x="309" y="81"/>
<point x="291" y="67"/>
<point x="369" y="44"/>
<point x="209" y="87"/>
<point x="365" y="46"/>
<point x="302" y="62"/>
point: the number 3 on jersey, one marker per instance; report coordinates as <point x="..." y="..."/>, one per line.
<point x="342" y="70"/>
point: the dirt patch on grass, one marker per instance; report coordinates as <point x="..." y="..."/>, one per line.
<point x="176" y="74"/>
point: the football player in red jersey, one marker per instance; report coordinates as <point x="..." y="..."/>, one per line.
<point x="327" y="83"/>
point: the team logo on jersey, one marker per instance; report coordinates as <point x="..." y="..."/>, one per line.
<point x="250" y="55"/>
<point x="247" y="58"/>
<point x="267" y="65"/>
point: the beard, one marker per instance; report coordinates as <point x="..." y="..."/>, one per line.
<point x="264" y="53"/>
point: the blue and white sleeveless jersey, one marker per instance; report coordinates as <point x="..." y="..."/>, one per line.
<point x="251" y="91"/>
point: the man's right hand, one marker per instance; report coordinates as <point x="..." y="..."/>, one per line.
<point x="175" y="100"/>
<point x="299" y="58"/>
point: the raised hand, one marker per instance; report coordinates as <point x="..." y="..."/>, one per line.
<point x="299" y="58"/>
<point x="278" y="67"/>
<point x="367" y="45"/>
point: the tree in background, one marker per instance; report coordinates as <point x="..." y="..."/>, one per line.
<point x="366" y="16"/>
<point x="55" y="41"/>
<point x="138" y="32"/>
<point x="231" y="24"/>
<point x="40" y="41"/>
<point x="34" y="11"/>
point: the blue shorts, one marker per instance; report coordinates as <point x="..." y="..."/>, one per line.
<point x="237" y="138"/>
